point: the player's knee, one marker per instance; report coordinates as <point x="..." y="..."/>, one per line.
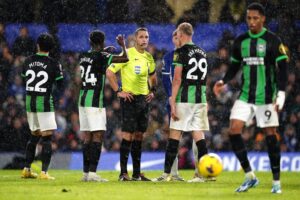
<point x="97" y="136"/>
<point x="235" y="127"/>
<point x="269" y="131"/>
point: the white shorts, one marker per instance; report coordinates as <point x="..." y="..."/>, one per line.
<point x="43" y="121"/>
<point x="192" y="117"/>
<point x="266" y="115"/>
<point x="92" y="119"/>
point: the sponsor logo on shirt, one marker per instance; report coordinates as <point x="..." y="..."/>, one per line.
<point x="254" y="61"/>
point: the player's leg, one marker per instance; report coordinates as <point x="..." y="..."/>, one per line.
<point x="46" y="154"/>
<point x="30" y="154"/>
<point x="96" y="119"/>
<point x="85" y="129"/>
<point x="86" y="154"/>
<point x="198" y="124"/>
<point x="48" y="125"/>
<point x="199" y="150"/>
<point x="171" y="153"/>
<point x="95" y="153"/>
<point x="274" y="156"/>
<point x="241" y="113"/>
<point x="267" y="118"/>
<point x="31" y="145"/>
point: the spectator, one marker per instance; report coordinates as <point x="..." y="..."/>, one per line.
<point x="24" y="45"/>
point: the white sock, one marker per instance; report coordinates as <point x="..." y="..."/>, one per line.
<point x="174" y="169"/>
<point x="92" y="174"/>
<point x="195" y="153"/>
<point x="250" y="175"/>
<point x="276" y="182"/>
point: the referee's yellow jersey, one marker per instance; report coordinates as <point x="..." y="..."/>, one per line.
<point x="135" y="73"/>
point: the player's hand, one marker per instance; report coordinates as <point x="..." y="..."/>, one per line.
<point x="218" y="88"/>
<point x="173" y="112"/>
<point x="121" y="40"/>
<point x="125" y="95"/>
<point x="150" y="97"/>
<point x="109" y="49"/>
<point x="279" y="101"/>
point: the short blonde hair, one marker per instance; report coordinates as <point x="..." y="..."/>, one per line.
<point x="186" y="28"/>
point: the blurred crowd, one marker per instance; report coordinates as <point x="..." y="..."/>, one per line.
<point x="14" y="130"/>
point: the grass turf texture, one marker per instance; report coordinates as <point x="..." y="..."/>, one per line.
<point x="68" y="186"/>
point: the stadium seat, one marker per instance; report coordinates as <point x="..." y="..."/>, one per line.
<point x="112" y="30"/>
<point x="74" y="37"/>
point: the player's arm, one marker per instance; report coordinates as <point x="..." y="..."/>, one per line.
<point x="234" y="67"/>
<point x="166" y="76"/>
<point x="153" y="84"/>
<point x="59" y="80"/>
<point x="282" y="74"/>
<point x="123" y="57"/>
<point x="175" y="88"/>
<point x="113" y="81"/>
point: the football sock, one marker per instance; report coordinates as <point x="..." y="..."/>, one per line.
<point x="95" y="152"/>
<point x="46" y="152"/>
<point x="124" y="153"/>
<point x="30" y="150"/>
<point x="195" y="153"/>
<point x="136" y="152"/>
<point x="174" y="169"/>
<point x="86" y="157"/>
<point x="240" y="151"/>
<point x="274" y="155"/>
<point x="201" y="147"/>
<point x="171" y="153"/>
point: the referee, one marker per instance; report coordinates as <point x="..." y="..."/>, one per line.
<point x="139" y="81"/>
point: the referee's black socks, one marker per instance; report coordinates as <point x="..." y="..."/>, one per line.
<point x="240" y="151"/>
<point x="124" y="153"/>
<point x="171" y="153"/>
<point x="95" y="152"/>
<point x="274" y="155"/>
<point x="46" y="152"/>
<point x="136" y="152"/>
<point x="30" y="150"/>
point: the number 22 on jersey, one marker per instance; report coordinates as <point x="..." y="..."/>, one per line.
<point x="37" y="87"/>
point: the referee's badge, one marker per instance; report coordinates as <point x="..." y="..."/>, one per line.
<point x="137" y="69"/>
<point x="261" y="48"/>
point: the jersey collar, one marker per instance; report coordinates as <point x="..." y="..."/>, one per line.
<point x="258" y="34"/>
<point x="42" y="54"/>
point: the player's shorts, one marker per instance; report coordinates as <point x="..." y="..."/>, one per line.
<point x="135" y="114"/>
<point x="43" y="121"/>
<point x="266" y="115"/>
<point x="192" y="117"/>
<point x="92" y="119"/>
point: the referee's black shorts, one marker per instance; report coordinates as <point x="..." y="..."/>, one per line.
<point x="135" y="114"/>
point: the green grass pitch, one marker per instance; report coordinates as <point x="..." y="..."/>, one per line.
<point x="68" y="186"/>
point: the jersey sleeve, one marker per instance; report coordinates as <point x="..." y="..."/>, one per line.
<point x="107" y="58"/>
<point x="58" y="72"/>
<point x="279" y="50"/>
<point x="236" y="56"/>
<point x="115" y="67"/>
<point x="177" y="58"/>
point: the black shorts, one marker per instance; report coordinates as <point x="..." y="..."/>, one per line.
<point x="135" y="114"/>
